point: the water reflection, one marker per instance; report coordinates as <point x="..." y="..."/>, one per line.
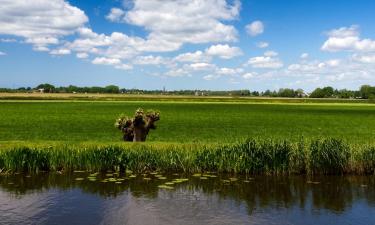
<point x="244" y="200"/>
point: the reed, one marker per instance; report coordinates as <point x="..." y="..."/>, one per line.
<point x="252" y="156"/>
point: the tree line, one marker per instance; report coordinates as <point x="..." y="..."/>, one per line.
<point x="364" y="92"/>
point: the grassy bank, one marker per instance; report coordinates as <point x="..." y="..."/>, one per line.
<point x="329" y="156"/>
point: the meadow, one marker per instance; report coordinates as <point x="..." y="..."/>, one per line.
<point x="240" y="137"/>
<point x="188" y="122"/>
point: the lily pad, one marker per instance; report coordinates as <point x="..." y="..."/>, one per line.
<point x="165" y="187"/>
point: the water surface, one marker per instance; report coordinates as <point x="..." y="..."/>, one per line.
<point x="81" y="198"/>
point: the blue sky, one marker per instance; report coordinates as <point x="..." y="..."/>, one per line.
<point x="188" y="44"/>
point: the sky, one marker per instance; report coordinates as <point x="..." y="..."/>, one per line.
<point x="188" y="44"/>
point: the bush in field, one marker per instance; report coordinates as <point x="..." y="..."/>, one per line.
<point x="136" y="129"/>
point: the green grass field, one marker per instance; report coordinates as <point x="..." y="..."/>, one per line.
<point x="181" y="121"/>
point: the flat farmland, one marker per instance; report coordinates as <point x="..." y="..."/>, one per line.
<point x="186" y="122"/>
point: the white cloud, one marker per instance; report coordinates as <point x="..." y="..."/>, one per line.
<point x="61" y="51"/>
<point x="150" y="60"/>
<point x="271" y="53"/>
<point x="262" y="44"/>
<point x="178" y="72"/>
<point x="40" y="48"/>
<point x="82" y="55"/>
<point x="248" y="76"/>
<point x="333" y="62"/>
<point x="223" y="51"/>
<point x="314" y="67"/>
<point x="344" y="32"/>
<point x="347" y="39"/>
<point x="106" y="61"/>
<point x="115" y="15"/>
<point x="329" y="72"/>
<point x="211" y="77"/>
<point x="366" y="58"/>
<point x="8" y="40"/>
<point x="2" y="53"/>
<point x="124" y="67"/>
<point x="267" y="61"/>
<point x="172" y="23"/>
<point x="202" y="66"/>
<point x="197" y="56"/>
<point x="255" y="28"/>
<point x="40" y="22"/>
<point x="229" y="71"/>
<point x="304" y="56"/>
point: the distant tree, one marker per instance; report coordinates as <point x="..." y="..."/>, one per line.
<point x="112" y="89"/>
<point x="267" y="93"/>
<point x="255" y="93"/>
<point x="367" y="92"/>
<point x="326" y="92"/>
<point x="136" y="129"/>
<point x="299" y="93"/>
<point x="317" y="93"/>
<point x="286" y="92"/>
<point x="47" y="88"/>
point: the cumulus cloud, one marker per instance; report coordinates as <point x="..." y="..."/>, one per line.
<point x="2" y="53"/>
<point x="8" y="40"/>
<point x="82" y="55"/>
<point x="364" y="58"/>
<point x="124" y="67"/>
<point x="175" y="22"/>
<point x="202" y="66"/>
<point x="115" y="15"/>
<point x="229" y="71"/>
<point x="150" y="60"/>
<point x="328" y="72"/>
<point x="106" y="61"/>
<point x="61" y="51"/>
<point x="223" y="51"/>
<point x="255" y="28"/>
<point x="347" y="39"/>
<point x="267" y="61"/>
<point x="271" y="53"/>
<point x="314" y="66"/>
<point x="262" y="44"/>
<point x="41" y="23"/>
<point x="304" y="56"/>
<point x="210" y="77"/>
<point x="248" y="76"/>
<point x="197" y="56"/>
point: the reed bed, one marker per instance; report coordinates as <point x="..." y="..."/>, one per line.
<point x="251" y="156"/>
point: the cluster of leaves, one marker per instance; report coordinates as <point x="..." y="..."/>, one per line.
<point x="140" y="118"/>
<point x="123" y="122"/>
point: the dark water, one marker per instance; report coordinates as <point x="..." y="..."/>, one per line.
<point x="64" y="199"/>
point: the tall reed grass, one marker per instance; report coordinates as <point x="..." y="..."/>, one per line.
<point x="252" y="156"/>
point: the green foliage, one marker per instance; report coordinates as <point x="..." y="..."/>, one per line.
<point x="326" y="92"/>
<point x="329" y="156"/>
<point x="48" y="88"/>
<point x="367" y="92"/>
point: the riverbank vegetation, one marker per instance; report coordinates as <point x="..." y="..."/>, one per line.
<point x="251" y="156"/>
